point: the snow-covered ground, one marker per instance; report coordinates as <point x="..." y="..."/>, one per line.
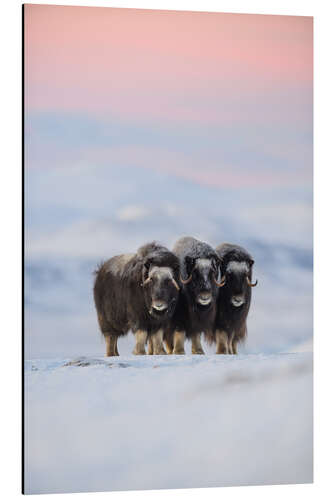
<point x="152" y="422"/>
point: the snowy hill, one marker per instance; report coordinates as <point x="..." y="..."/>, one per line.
<point x="141" y="422"/>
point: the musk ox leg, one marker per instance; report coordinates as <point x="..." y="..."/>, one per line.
<point x="234" y="346"/>
<point x="196" y="344"/>
<point x="150" y="346"/>
<point x="178" y="341"/>
<point x="111" y="345"/>
<point x="168" y="339"/>
<point x="157" y="340"/>
<point x="222" y="342"/>
<point x="140" y="341"/>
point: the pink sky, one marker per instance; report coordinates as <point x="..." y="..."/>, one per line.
<point x="164" y="64"/>
<point x="229" y="94"/>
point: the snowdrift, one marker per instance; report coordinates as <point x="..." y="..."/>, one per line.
<point x="149" y="422"/>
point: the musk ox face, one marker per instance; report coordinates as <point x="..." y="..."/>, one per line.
<point x="202" y="280"/>
<point x="161" y="291"/>
<point x="237" y="281"/>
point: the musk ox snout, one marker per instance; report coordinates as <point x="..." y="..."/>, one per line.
<point x="161" y="309"/>
<point x="204" y="298"/>
<point x="237" y="300"/>
<point x="159" y="305"/>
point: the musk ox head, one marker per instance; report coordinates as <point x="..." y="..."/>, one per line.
<point x="160" y="275"/>
<point x="202" y="280"/>
<point x="238" y="280"/>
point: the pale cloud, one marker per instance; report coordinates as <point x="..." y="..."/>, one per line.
<point x="132" y="213"/>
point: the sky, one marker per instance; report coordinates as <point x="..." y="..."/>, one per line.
<point x="203" y="96"/>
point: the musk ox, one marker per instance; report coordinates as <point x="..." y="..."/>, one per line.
<point x="234" y="298"/>
<point x="137" y="292"/>
<point x="196" y="308"/>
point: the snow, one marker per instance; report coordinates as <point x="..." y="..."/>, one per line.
<point x="150" y="422"/>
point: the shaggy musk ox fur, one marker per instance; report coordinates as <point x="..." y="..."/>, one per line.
<point x="234" y="299"/>
<point x="196" y="309"/>
<point x="137" y="292"/>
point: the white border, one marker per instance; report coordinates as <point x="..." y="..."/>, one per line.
<point x="10" y="199"/>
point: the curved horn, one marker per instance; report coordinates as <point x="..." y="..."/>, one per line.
<point x="251" y="284"/>
<point x="222" y="282"/>
<point x="146" y="281"/>
<point x="175" y="283"/>
<point x="185" y="281"/>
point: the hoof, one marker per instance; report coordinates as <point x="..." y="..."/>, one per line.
<point x="198" y="352"/>
<point x="139" y="353"/>
<point x="179" y="352"/>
